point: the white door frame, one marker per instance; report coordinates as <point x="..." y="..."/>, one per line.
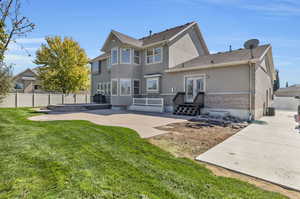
<point x="194" y="78"/>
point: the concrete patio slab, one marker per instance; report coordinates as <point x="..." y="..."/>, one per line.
<point x="142" y="123"/>
<point x="269" y="150"/>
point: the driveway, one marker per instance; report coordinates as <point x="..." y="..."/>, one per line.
<point x="144" y="124"/>
<point x="269" y="150"/>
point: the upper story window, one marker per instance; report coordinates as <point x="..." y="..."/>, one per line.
<point x="108" y="63"/>
<point x="125" y="55"/>
<point x="114" y="56"/>
<point x="154" y="55"/>
<point x="99" y="66"/>
<point x="95" y="68"/>
<point x="137" y="57"/>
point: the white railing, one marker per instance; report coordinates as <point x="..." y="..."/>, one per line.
<point x="148" y="101"/>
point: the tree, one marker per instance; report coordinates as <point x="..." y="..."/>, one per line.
<point x="5" y="80"/>
<point x="63" y="65"/>
<point x="12" y="26"/>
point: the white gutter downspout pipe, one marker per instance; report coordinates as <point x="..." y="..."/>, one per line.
<point x="250" y="91"/>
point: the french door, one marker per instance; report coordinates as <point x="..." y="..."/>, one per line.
<point x="193" y="85"/>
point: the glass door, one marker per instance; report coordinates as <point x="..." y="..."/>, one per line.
<point x="193" y="86"/>
<point x="189" y="89"/>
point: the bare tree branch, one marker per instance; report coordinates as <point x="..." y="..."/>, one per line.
<point x="17" y="26"/>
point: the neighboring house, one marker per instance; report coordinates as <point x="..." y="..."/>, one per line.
<point x="291" y="91"/>
<point x="27" y="81"/>
<point x="178" y="60"/>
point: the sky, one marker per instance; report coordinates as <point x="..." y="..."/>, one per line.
<point x="222" y="23"/>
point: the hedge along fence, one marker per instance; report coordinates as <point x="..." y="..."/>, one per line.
<point x="14" y="100"/>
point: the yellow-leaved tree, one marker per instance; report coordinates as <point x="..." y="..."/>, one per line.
<point x="64" y="65"/>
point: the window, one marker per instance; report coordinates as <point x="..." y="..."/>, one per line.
<point x="157" y="55"/>
<point x="152" y="84"/>
<point x="19" y="86"/>
<point x="154" y="55"/>
<point x="125" y="87"/>
<point x="114" y="87"/>
<point x="125" y="56"/>
<point x="99" y="67"/>
<point x="114" y="56"/>
<point x="108" y="63"/>
<point x="137" y="59"/>
<point x="149" y="56"/>
<point x="36" y="87"/>
<point x="136" y="87"/>
<point x="95" y="68"/>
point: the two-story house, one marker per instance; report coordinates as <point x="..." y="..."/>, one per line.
<point x="178" y="60"/>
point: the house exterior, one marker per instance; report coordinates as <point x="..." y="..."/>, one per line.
<point x="27" y="81"/>
<point x="178" y="60"/>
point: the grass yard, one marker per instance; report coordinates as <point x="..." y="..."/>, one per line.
<point x="78" y="159"/>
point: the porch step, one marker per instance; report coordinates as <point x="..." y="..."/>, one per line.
<point x="187" y="109"/>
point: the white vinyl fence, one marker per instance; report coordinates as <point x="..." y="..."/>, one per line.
<point x="14" y="100"/>
<point x="286" y="103"/>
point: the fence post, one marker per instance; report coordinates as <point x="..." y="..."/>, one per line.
<point x="75" y="99"/>
<point x="62" y="99"/>
<point x="33" y="99"/>
<point x="16" y="100"/>
<point x="86" y="100"/>
<point x="49" y="98"/>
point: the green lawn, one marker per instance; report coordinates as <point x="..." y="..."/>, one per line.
<point x="78" y="159"/>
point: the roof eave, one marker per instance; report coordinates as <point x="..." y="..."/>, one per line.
<point x="226" y="64"/>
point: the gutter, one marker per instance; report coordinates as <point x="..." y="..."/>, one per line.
<point x="234" y="63"/>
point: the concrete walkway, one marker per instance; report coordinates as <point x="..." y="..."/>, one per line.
<point x="269" y="151"/>
<point x="142" y="123"/>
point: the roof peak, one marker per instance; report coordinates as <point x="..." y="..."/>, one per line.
<point x="168" y="29"/>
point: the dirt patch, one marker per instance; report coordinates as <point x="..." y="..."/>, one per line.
<point x="190" y="139"/>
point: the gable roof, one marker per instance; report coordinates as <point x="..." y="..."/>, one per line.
<point x="221" y="59"/>
<point x="163" y="36"/>
<point x="127" y="39"/>
<point x="33" y="70"/>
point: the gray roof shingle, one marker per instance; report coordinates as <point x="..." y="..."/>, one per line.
<point x="164" y="35"/>
<point x="224" y="57"/>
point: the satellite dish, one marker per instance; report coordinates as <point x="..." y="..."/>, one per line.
<point x="251" y="44"/>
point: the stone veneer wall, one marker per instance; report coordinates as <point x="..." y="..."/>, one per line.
<point x="227" y="101"/>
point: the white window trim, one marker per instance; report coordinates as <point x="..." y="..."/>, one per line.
<point x="201" y="76"/>
<point x="140" y="88"/>
<point x="134" y="57"/>
<point x="112" y="87"/>
<point x="161" y="55"/>
<point x="120" y="90"/>
<point x="117" y="49"/>
<point x="151" y="90"/>
<point x="121" y="51"/>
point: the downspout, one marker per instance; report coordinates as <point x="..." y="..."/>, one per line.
<point x="250" y="92"/>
